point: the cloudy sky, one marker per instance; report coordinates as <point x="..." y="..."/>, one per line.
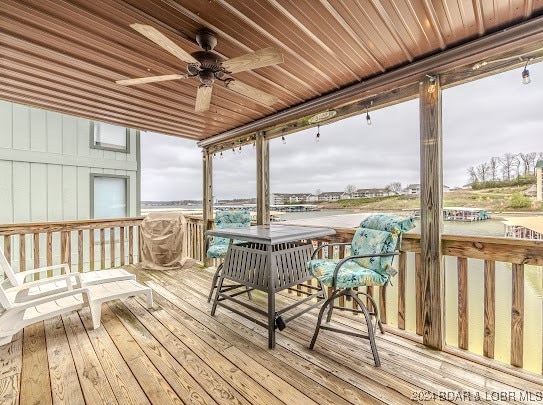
<point x="485" y="118"/>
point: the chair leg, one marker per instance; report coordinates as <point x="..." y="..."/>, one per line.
<point x="329" y="301"/>
<point x="214" y="282"/>
<point x="378" y="323"/>
<point x="371" y="331"/>
<point x="219" y="286"/>
<point x="149" y="299"/>
<point x="96" y="313"/>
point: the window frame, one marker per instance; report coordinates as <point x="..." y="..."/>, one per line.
<point x="93" y="144"/>
<point x="118" y="176"/>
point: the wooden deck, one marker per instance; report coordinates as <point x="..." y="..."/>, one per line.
<point x="178" y="353"/>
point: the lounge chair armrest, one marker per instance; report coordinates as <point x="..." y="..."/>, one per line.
<point x="30" y="284"/>
<point x="49" y="298"/>
<point x="326" y="245"/>
<point x="21" y="276"/>
<point x="349" y="258"/>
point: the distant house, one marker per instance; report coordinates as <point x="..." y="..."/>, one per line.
<point x="412" y="189"/>
<point x="332" y="196"/>
<point x="371" y="193"/>
<point x="287" y="198"/>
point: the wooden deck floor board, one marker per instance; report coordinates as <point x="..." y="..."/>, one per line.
<point x="181" y="365"/>
<point x="295" y="373"/>
<point x="156" y="388"/>
<point x="177" y="353"/>
<point x="92" y="377"/>
<point x="35" y="380"/>
<point x="65" y="387"/>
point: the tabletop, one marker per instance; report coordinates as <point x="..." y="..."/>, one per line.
<point x="271" y="234"/>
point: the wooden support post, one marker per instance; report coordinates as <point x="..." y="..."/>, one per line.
<point x="262" y="180"/>
<point x="431" y="175"/>
<point x="207" y="200"/>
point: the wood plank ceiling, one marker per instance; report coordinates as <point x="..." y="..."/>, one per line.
<point x="66" y="55"/>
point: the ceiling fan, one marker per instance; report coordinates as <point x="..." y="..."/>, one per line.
<point x="209" y="67"/>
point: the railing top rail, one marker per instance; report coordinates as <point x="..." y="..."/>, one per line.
<point x="55" y="226"/>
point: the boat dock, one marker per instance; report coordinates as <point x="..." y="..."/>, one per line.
<point x="524" y="228"/>
<point x="465" y="214"/>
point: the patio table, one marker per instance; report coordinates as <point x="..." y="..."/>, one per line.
<point x="271" y="258"/>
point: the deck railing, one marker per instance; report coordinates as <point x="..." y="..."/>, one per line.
<point x="464" y="256"/>
<point x="85" y="245"/>
<point x="98" y="244"/>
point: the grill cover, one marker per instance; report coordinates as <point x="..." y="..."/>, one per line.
<point x="162" y="239"/>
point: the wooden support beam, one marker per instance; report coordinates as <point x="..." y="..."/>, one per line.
<point x="207" y="199"/>
<point x="431" y="175"/>
<point x="262" y="180"/>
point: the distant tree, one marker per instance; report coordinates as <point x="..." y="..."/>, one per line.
<point x="494" y="163"/>
<point x="395" y="187"/>
<point x="532" y="159"/>
<point x="517" y="162"/>
<point x="507" y="162"/>
<point x="483" y="171"/>
<point x="351" y="188"/>
<point x="472" y="175"/>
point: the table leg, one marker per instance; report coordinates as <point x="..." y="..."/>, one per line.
<point x="271" y="319"/>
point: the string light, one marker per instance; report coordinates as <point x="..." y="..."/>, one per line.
<point x="318" y="136"/>
<point x="526" y="74"/>
<point x="239" y="150"/>
<point x="432" y="84"/>
<point x="214" y="155"/>
<point x="233" y="150"/>
<point x="283" y="137"/>
<point x="221" y="155"/>
<point x="368" y="118"/>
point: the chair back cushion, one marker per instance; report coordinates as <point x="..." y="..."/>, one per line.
<point x="388" y="222"/>
<point x="229" y="220"/>
<point x="369" y="241"/>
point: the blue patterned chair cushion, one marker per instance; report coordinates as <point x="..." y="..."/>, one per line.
<point x="350" y="275"/>
<point x="377" y="234"/>
<point x="217" y="251"/>
<point x="227" y="220"/>
<point x="388" y="222"/>
<point x="368" y="241"/>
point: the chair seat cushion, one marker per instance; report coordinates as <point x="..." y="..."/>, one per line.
<point x="217" y="251"/>
<point x="350" y="275"/>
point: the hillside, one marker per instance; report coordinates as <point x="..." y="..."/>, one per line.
<point x="509" y="199"/>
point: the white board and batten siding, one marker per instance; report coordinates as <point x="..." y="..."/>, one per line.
<point x="46" y="162"/>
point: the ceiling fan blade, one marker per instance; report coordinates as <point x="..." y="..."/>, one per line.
<point x="143" y="80"/>
<point x="251" y="92"/>
<point x="163" y="41"/>
<point x="203" y="98"/>
<point x="253" y="60"/>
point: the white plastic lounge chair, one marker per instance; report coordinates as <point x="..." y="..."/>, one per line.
<point x="15" y="315"/>
<point x="43" y="289"/>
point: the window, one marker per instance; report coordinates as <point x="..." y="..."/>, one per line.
<point x="109" y="196"/>
<point x="109" y="137"/>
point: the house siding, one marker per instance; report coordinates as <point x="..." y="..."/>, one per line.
<point x="45" y="165"/>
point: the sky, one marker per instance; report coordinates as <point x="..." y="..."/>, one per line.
<point x="481" y="119"/>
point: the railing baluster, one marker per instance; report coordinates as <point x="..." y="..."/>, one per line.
<point x="121" y="242"/>
<point x="418" y="294"/>
<point x="402" y="269"/>
<point x="130" y="244"/>
<point x="22" y="252"/>
<point x="341" y="254"/>
<point x="102" y="248"/>
<point x="80" y="250"/>
<point x="7" y="249"/>
<point x="69" y="249"/>
<point x="91" y="249"/>
<point x="36" y="253"/>
<point x="463" y="333"/>
<point x="490" y="308"/>
<point x="49" y="253"/>
<point x="111" y="247"/>
<point x="517" y="315"/>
